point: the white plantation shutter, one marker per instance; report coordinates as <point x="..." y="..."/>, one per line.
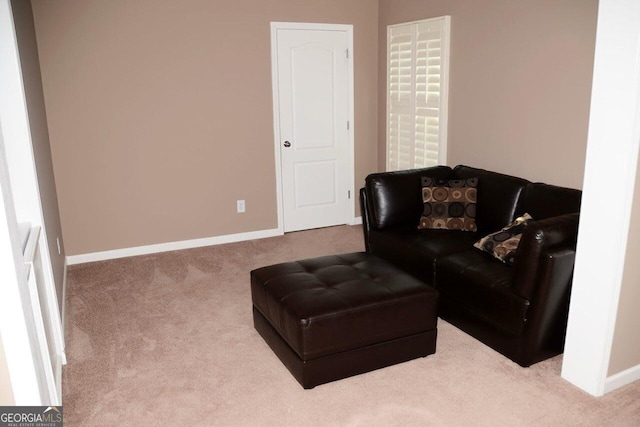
<point x="417" y="76"/>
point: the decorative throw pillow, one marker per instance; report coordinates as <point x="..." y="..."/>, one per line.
<point x="503" y="244"/>
<point x="449" y="204"/>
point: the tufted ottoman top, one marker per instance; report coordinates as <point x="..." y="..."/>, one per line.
<point x="326" y="305"/>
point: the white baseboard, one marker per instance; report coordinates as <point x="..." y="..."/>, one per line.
<point x="622" y="378"/>
<point x="356" y="221"/>
<point x="171" y="246"/>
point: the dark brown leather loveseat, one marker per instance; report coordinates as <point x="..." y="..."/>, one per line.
<point x="519" y="310"/>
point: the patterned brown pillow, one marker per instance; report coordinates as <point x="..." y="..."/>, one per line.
<point x="503" y="244"/>
<point x="449" y="204"/>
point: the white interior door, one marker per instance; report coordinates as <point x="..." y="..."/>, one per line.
<point x="313" y="107"/>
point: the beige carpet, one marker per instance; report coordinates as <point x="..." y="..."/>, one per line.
<point x="168" y="339"/>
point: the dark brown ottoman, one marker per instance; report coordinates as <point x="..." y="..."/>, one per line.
<point x="336" y="316"/>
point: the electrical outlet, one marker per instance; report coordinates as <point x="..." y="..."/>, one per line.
<point x="58" y="243"/>
<point x="240" y="205"/>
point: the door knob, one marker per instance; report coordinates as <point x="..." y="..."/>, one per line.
<point x="287" y="144"/>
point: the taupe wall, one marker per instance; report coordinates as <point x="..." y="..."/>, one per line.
<point x="28" y="50"/>
<point x="625" y="350"/>
<point x="520" y="83"/>
<point x="160" y="113"/>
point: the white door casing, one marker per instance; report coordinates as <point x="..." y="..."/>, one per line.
<point x="29" y="315"/>
<point x="313" y="124"/>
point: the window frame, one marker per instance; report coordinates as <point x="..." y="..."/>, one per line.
<point x="445" y="31"/>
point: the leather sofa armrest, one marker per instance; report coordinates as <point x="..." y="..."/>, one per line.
<point x="546" y="325"/>
<point x="540" y="236"/>
<point x="366" y="219"/>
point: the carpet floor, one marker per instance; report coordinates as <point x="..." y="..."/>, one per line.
<point x="168" y="339"/>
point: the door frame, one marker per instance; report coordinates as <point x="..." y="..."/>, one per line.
<point x="348" y="29"/>
<point x="35" y="374"/>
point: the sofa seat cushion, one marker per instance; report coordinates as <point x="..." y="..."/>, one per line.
<point x="482" y="285"/>
<point x="415" y="251"/>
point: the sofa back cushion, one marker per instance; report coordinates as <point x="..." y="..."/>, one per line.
<point x="498" y="197"/>
<point x="395" y="198"/>
<point x="545" y="201"/>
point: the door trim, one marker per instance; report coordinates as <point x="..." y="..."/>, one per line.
<point x="348" y="29"/>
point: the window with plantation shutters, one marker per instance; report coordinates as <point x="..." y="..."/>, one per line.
<point x="417" y="81"/>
